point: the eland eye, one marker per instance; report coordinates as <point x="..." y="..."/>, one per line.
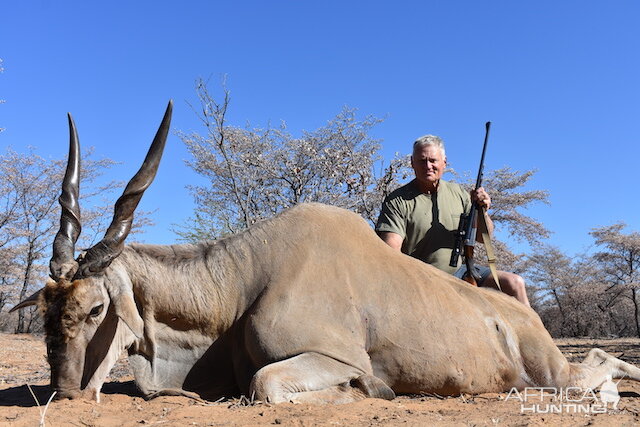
<point x="95" y="311"/>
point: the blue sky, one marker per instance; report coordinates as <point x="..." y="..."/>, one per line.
<point x="558" y="79"/>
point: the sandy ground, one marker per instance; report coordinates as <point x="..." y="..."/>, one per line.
<point x="22" y="363"/>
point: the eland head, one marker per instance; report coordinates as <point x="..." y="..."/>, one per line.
<point x="87" y="305"/>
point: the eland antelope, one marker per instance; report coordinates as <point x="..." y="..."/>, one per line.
<point x="309" y="306"/>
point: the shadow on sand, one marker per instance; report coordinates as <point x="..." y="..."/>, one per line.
<point x="21" y="396"/>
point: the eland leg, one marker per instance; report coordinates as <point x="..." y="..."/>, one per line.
<point x="315" y="378"/>
<point x="595" y="368"/>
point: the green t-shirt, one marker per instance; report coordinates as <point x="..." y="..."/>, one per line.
<point x="426" y="222"/>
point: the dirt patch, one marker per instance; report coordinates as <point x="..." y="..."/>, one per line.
<point x="22" y="362"/>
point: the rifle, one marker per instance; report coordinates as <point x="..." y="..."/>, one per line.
<point x="466" y="234"/>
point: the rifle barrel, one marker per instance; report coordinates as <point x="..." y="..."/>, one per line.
<point x="466" y="233"/>
<point x="484" y="150"/>
<point x="470" y="232"/>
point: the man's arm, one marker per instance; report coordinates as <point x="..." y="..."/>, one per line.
<point x="392" y="239"/>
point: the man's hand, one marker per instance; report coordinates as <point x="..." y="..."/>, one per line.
<point x="481" y="197"/>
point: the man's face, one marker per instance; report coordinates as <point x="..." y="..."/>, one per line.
<point x="428" y="163"/>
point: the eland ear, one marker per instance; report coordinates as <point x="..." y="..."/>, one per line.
<point x="127" y="311"/>
<point x="120" y="291"/>
<point x="32" y="300"/>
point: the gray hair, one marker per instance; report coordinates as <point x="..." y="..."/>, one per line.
<point x="426" y="140"/>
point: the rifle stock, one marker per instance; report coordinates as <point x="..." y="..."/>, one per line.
<point x="470" y="276"/>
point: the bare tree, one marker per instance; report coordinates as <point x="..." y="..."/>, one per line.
<point x="30" y="217"/>
<point x="508" y="201"/>
<point x="570" y="297"/>
<point x="594" y="295"/>
<point x="254" y="173"/>
<point x="620" y="264"/>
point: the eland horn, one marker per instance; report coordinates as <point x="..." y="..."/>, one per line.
<point x="104" y="252"/>
<point x="62" y="260"/>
